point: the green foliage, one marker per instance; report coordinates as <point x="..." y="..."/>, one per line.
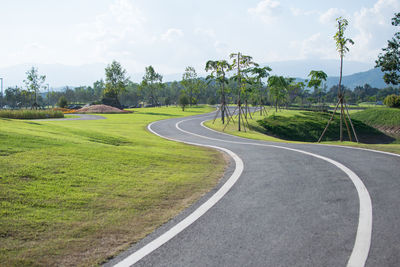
<point x="183" y="100"/>
<point x="278" y="89"/>
<point x="392" y="101"/>
<point x="389" y="61"/>
<point x="151" y="85"/>
<point x="308" y="126"/>
<point x="115" y="84"/>
<point x="62" y="102"/>
<point x="191" y="84"/>
<point x="379" y="116"/>
<point x="34" y="82"/>
<point x="26" y="114"/>
<point x="341" y="40"/>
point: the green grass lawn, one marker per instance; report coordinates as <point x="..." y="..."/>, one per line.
<point x="379" y="116"/>
<point x="78" y="192"/>
<point x="304" y="125"/>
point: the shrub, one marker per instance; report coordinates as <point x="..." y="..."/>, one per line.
<point x="31" y="114"/>
<point x="183" y="101"/>
<point x="392" y="101"/>
<point x="62" y="102"/>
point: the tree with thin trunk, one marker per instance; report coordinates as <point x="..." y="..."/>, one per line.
<point x="34" y="82"/>
<point x="278" y="92"/>
<point x="259" y="75"/>
<point x="218" y="73"/>
<point x="316" y="78"/>
<point x="242" y="64"/>
<point x="341" y="47"/>
<point x="190" y="83"/>
<point x="151" y="84"/>
<point x="115" y="83"/>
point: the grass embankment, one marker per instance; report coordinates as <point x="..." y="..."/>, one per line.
<point x="301" y="126"/>
<point x="27" y="114"/>
<point x="379" y="117"/>
<point x="78" y="192"/>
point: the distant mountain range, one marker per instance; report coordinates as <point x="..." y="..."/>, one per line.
<point x="58" y="76"/>
<point x="373" y="77"/>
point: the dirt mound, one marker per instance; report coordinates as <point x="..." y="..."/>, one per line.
<point x="101" y="109"/>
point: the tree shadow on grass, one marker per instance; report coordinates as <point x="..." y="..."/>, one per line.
<point x="308" y="126"/>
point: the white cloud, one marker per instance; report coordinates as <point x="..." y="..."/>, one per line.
<point x="315" y="46"/>
<point x="266" y="10"/>
<point x="172" y="34"/>
<point x="300" y="12"/>
<point x="329" y="17"/>
<point x="373" y="29"/>
<point x="209" y="33"/>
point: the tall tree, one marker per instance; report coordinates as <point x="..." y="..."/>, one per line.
<point x="34" y="82"/>
<point x="278" y="89"/>
<point x="259" y="75"/>
<point x="218" y="73"/>
<point x="389" y="61"/>
<point x="190" y="83"/>
<point x="241" y="63"/>
<point x="115" y="84"/>
<point x="316" y="78"/>
<point x="151" y="84"/>
<point x="341" y="47"/>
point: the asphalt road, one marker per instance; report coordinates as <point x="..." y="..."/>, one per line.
<point x="290" y="205"/>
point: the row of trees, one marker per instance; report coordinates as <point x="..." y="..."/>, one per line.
<point x="209" y="91"/>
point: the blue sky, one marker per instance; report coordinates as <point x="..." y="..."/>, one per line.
<point x="173" y="34"/>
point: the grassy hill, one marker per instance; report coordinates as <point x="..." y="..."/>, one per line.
<point x="379" y="116"/>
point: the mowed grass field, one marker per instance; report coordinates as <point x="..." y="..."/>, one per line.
<point x="74" y="193"/>
<point x="286" y="117"/>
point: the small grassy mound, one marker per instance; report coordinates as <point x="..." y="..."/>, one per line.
<point x="379" y="116"/>
<point x="307" y="127"/>
<point x="27" y="114"/>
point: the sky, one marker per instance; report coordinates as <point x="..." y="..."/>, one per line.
<point x="173" y="34"/>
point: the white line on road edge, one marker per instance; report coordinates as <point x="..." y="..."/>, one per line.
<point x="156" y="243"/>
<point x="362" y="243"/>
<point x="340" y="146"/>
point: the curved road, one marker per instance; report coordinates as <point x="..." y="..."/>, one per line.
<point x="281" y="205"/>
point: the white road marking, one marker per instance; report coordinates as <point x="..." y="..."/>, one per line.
<point x="159" y="241"/>
<point x="362" y="243"/>
<point x="349" y="147"/>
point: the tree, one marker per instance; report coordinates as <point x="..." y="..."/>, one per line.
<point x="183" y="100"/>
<point x="33" y="83"/>
<point x="259" y="74"/>
<point x="316" y="78"/>
<point x="242" y="64"/>
<point x="278" y="89"/>
<point x="151" y="84"/>
<point x="341" y="47"/>
<point x="116" y="82"/>
<point x="190" y="83"/>
<point x="392" y="101"/>
<point x="62" y="102"/>
<point x="389" y="61"/>
<point x="218" y="73"/>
